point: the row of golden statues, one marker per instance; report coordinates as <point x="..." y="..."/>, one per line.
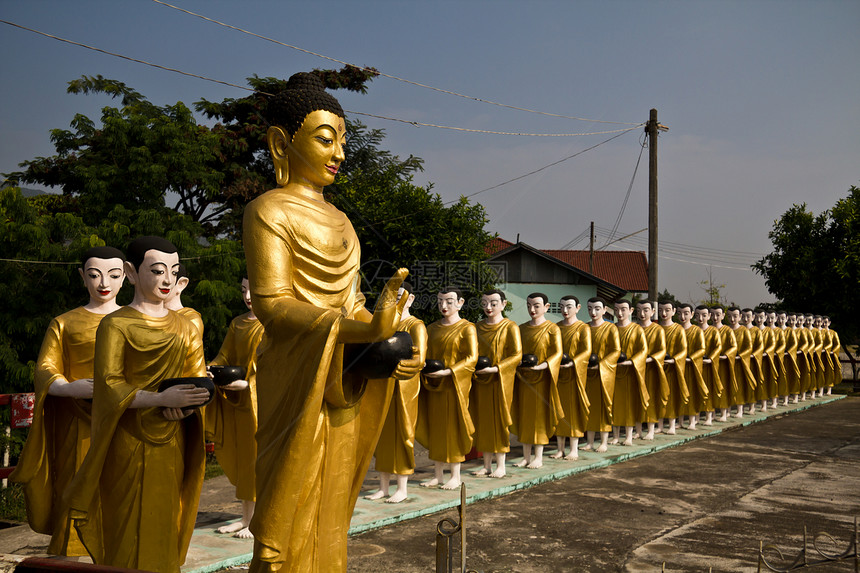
<point x="114" y="461"/>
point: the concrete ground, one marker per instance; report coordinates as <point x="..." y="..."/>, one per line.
<point x="703" y="504"/>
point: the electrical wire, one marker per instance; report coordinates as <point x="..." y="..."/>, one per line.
<point x="626" y="198"/>
<point x="389" y="76"/>
<point x="246" y="88"/>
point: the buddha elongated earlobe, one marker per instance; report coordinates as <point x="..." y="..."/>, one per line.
<point x="278" y="142"/>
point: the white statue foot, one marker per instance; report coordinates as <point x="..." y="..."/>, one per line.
<point x="521" y="464"/>
<point x="707" y="423"/>
<point x="480" y="472"/>
<point x="432" y="483"/>
<point x="232" y="528"/>
<point x="586" y="448"/>
<point x="613" y="442"/>
<point x="536" y="464"/>
<point x="558" y="455"/>
<point x="670" y="432"/>
<point x="452" y="483"/>
<point x="649" y="436"/>
<point x="602" y="448"/>
<point x="572" y="456"/>
<point x="377" y="495"/>
<point x="627" y="443"/>
<point x="499" y="473"/>
<point x="722" y="419"/>
<point x="397" y="497"/>
<point x="244" y="533"/>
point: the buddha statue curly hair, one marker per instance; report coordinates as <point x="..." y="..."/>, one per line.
<point x="304" y="94"/>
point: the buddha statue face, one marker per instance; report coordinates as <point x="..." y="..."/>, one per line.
<point x="313" y="155"/>
<point x="155" y="278"/>
<point x="103" y="278"/>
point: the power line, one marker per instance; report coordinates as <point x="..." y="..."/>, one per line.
<point x="208" y="79"/>
<point x="389" y="76"/>
<point x="626" y="197"/>
<point x="724" y="252"/>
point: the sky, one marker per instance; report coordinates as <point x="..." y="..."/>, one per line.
<point x="760" y="98"/>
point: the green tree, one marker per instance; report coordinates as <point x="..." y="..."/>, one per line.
<point x="815" y="263"/>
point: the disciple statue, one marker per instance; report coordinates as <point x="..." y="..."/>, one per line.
<point x="600" y="381"/>
<point x="655" y="375"/>
<point x="231" y="418"/>
<point x="743" y="374"/>
<point x="316" y="431"/>
<point x="576" y="344"/>
<point x="631" y="398"/>
<point x="710" y="363"/>
<point x="395" y="450"/>
<point x="674" y="364"/>
<point x="445" y="426"/>
<point x="699" y="391"/>
<point x="60" y="433"/>
<point x="134" y="498"/>
<point x="493" y="386"/>
<point x="728" y="351"/>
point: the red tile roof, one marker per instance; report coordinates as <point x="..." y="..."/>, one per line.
<point x="625" y="269"/>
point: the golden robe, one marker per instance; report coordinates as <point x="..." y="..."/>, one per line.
<point x="835" y="350"/>
<point x="576" y="343"/>
<point x="779" y="361"/>
<point x="807" y="365"/>
<point x="744" y="376"/>
<point x="699" y="391"/>
<point x="492" y="394"/>
<point x="196" y="319"/>
<point x="631" y="398"/>
<point x="756" y="361"/>
<point x="445" y="426"/>
<point x="395" y="450"/>
<point x="818" y="356"/>
<point x="676" y="348"/>
<point x="711" y="372"/>
<point x="60" y="434"/>
<point x="600" y="381"/>
<point x="317" y="427"/>
<point x="655" y="375"/>
<point x="134" y="498"/>
<point x="231" y="417"/>
<point x="536" y="408"/>
<point x="791" y="360"/>
<point x="768" y="369"/>
<point x="731" y="389"/>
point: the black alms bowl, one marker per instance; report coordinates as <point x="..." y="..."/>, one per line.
<point x="565" y="359"/>
<point x="378" y="359"/>
<point x="529" y="360"/>
<point x="483" y="362"/>
<point x="622" y="357"/>
<point x="201" y="382"/>
<point x="431" y="366"/>
<point x="593" y="360"/>
<point x="223" y="375"/>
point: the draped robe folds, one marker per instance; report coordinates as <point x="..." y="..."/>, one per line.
<point x="835" y="350"/>
<point x="445" y="426"/>
<point x="317" y="427"/>
<point x="768" y="369"/>
<point x="711" y="372"/>
<point x="395" y="450"/>
<point x="743" y="374"/>
<point x="699" y="391"/>
<point x="631" y="398"/>
<point x="826" y="356"/>
<point x="757" y="360"/>
<point x="779" y="360"/>
<point x="791" y="360"/>
<point x="807" y="366"/>
<point x="817" y="356"/>
<point x="576" y="343"/>
<point x="231" y="417"/>
<point x="134" y="498"/>
<point x="195" y="317"/>
<point x="655" y="375"/>
<point x="676" y="348"/>
<point x="600" y="381"/>
<point x="492" y="394"/>
<point x="59" y="436"/>
<point x="731" y="389"/>
<point x="536" y="408"/>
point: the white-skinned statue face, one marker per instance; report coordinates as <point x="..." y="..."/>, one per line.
<point x="623" y="312"/>
<point x="734" y="318"/>
<point x="686" y="316"/>
<point x="666" y="312"/>
<point x="596" y="310"/>
<point x="644" y="312"/>
<point x="449" y="304"/>
<point x="569" y="309"/>
<point x="703" y="315"/>
<point x="537" y="308"/>
<point x="492" y="305"/>
<point x="155" y="279"/>
<point x="103" y="278"/>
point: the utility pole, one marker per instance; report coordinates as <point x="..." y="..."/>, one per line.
<point x="591" y="251"/>
<point x="651" y="128"/>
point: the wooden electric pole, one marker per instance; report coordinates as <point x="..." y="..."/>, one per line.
<point x="651" y="130"/>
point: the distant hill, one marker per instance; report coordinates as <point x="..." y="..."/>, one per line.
<point x="26" y="192"/>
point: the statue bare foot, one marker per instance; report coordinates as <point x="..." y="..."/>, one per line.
<point x="602" y="448"/>
<point x="432" y="483"/>
<point x="452" y="483"/>
<point x="558" y="455"/>
<point x="587" y="448"/>
<point x="232" y="528"/>
<point x="572" y="456"/>
<point x="379" y="494"/>
<point x="521" y="464"/>
<point x="613" y="442"/>
<point x="397" y="497"/>
<point x="536" y="464"/>
<point x="627" y="442"/>
<point x="244" y="533"/>
<point x="670" y="432"/>
<point x="722" y="419"/>
<point x="499" y="473"/>
<point x="480" y="472"/>
<point x="649" y="436"/>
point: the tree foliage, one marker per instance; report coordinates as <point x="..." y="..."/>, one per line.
<point x="815" y="263"/>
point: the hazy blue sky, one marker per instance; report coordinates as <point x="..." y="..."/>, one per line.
<point x="761" y="99"/>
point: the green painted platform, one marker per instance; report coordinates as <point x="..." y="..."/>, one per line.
<point x="211" y="552"/>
